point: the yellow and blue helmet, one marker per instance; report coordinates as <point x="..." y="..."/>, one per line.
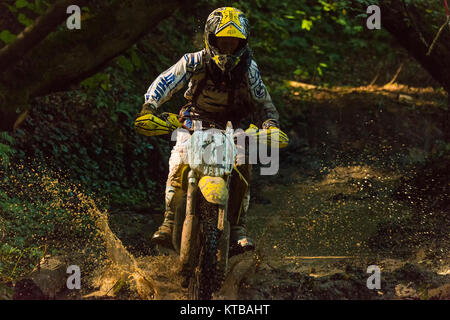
<point x="226" y="22"/>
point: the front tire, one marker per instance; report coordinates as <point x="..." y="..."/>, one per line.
<point x="207" y="276"/>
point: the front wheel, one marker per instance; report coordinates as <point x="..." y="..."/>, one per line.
<point x="206" y="278"/>
<point x="209" y="272"/>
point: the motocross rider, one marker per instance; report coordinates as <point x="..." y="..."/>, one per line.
<point x="224" y="84"/>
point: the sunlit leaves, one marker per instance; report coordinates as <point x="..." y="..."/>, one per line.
<point x="328" y="6"/>
<point x="307" y="24"/>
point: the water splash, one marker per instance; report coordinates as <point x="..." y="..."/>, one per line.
<point x="42" y="212"/>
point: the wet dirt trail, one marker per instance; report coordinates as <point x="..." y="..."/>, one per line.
<point x="315" y="240"/>
<point x="337" y="206"/>
<point x="334" y="207"/>
<point x="325" y="232"/>
<point x="342" y="203"/>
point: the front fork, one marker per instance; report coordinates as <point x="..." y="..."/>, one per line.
<point x="190" y="240"/>
<point x="189" y="236"/>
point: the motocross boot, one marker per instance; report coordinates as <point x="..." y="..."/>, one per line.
<point x="238" y="233"/>
<point x="238" y="207"/>
<point x="163" y="236"/>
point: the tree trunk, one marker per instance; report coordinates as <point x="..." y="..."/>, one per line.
<point x="415" y="30"/>
<point x="408" y="25"/>
<point x="66" y="57"/>
<point x="34" y="34"/>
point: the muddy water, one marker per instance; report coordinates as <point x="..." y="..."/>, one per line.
<point x="331" y="216"/>
<point x="328" y="220"/>
<point x="315" y="227"/>
<point x="319" y="223"/>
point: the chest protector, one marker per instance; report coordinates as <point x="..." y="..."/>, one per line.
<point x="228" y="82"/>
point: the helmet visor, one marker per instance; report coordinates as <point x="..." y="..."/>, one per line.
<point x="227" y="45"/>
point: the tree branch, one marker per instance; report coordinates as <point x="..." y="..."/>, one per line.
<point x="447" y="21"/>
<point x="437" y="63"/>
<point x="34" y="34"/>
<point x="68" y="56"/>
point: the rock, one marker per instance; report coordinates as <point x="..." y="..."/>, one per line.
<point x="51" y="275"/>
<point x="239" y="267"/>
<point x="44" y="282"/>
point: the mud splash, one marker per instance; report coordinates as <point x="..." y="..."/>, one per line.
<point x="43" y="215"/>
<point x="120" y="268"/>
<point x="58" y="216"/>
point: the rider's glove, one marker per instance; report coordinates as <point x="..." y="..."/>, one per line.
<point x="270" y="123"/>
<point x="147" y="108"/>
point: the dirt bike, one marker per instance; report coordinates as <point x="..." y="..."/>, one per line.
<point x="201" y="232"/>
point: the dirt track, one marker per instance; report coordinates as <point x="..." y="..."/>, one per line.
<point x="334" y="208"/>
<point x="343" y="200"/>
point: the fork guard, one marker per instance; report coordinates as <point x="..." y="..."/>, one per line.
<point x="214" y="189"/>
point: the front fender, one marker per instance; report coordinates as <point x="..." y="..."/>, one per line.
<point x="214" y="189"/>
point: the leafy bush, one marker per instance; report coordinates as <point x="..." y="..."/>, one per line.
<point x="6" y="148"/>
<point x="41" y="212"/>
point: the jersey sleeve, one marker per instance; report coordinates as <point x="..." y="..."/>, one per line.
<point x="260" y="96"/>
<point x="172" y="80"/>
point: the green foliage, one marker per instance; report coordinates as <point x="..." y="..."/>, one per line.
<point x="6" y="149"/>
<point x="307" y="24"/>
<point x="24" y="12"/>
<point x="22" y="18"/>
<point x="308" y="40"/>
<point x="21" y="4"/>
<point x="7" y="37"/>
<point x="36" y="6"/>
<point x="125" y="63"/>
<point x="440" y="149"/>
<point x="87" y="136"/>
<point x="90" y="135"/>
<point x="100" y="79"/>
<point x="39" y="212"/>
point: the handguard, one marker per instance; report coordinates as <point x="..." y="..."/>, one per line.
<point x="151" y="125"/>
<point x="268" y="135"/>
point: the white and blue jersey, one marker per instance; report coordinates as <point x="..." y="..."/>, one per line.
<point x="250" y="95"/>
